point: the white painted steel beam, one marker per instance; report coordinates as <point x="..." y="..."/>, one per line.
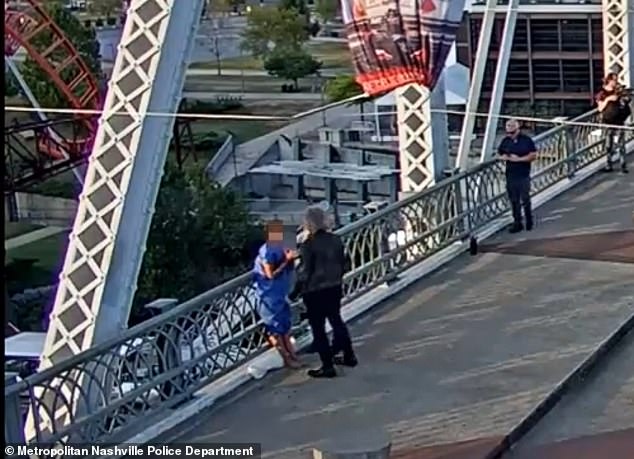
<point x="618" y="39"/>
<point x="422" y="135"/>
<point x="107" y="243"/>
<point x="499" y="83"/>
<point x="475" y="90"/>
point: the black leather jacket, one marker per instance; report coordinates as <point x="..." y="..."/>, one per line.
<point x="322" y="262"/>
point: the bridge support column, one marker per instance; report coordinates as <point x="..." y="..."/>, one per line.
<point x="618" y="39"/>
<point x="423" y="147"/>
<point x="107" y="243"/>
<point x="422" y="136"/>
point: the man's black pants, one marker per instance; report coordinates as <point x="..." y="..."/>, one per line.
<point x="519" y="193"/>
<point x="322" y="305"/>
<point x="615" y="143"/>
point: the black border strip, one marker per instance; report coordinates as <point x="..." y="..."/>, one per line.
<point x="573" y="381"/>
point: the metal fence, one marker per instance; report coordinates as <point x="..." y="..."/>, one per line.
<point x="106" y="393"/>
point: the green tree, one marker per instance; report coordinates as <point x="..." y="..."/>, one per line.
<point x="342" y="87"/>
<point x="291" y="64"/>
<point x="11" y="88"/>
<point x="271" y="29"/>
<point x="327" y="9"/>
<point x="84" y="41"/>
<point x="200" y="237"/>
<point x="299" y="6"/>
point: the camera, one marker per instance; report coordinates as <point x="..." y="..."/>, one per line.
<point x="624" y="94"/>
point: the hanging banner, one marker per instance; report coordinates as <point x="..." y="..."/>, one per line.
<point x="394" y="43"/>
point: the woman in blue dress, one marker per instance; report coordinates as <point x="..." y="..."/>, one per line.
<point x="273" y="272"/>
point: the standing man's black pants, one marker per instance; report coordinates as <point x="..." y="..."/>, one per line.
<point x="615" y="143"/>
<point x="322" y="305"/>
<point x="519" y="193"/>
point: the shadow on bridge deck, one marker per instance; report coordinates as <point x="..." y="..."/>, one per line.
<point x="466" y="352"/>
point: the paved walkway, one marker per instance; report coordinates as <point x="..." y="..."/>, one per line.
<point x="465" y="353"/>
<point x="248" y="96"/>
<point x="591" y="419"/>
<point x="33" y="236"/>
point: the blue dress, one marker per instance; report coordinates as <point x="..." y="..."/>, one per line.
<point x="273" y="307"/>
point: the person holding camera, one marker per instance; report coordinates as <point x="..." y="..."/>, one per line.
<point x="613" y="103"/>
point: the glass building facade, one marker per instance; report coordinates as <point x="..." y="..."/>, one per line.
<point x="556" y="61"/>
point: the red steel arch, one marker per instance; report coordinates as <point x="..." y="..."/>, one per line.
<point x="60" y="61"/>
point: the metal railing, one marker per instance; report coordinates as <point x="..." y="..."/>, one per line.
<point x="111" y="389"/>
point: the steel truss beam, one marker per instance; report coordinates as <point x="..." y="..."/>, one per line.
<point x="107" y="243"/>
<point x="422" y="135"/>
<point x="499" y="82"/>
<point x="28" y="161"/>
<point x="618" y="39"/>
<point x="475" y="90"/>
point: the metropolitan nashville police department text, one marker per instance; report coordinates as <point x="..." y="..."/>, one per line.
<point x="137" y="450"/>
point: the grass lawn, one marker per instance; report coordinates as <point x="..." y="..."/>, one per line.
<point x="333" y="55"/>
<point x="15" y="229"/>
<point x="48" y="254"/>
<point x="242" y="131"/>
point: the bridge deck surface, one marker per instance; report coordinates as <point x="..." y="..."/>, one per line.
<point x="466" y="352"/>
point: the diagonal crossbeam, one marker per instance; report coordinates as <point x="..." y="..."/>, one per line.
<point x="618" y="39"/>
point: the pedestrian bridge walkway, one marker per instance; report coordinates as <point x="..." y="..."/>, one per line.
<point x="459" y="354"/>
<point x="466" y="352"/>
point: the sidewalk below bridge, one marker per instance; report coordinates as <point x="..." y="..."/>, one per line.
<point x="466" y="352"/>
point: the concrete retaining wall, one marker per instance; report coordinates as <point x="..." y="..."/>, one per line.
<point x="45" y="210"/>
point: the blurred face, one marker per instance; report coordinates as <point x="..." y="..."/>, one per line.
<point x="610" y="84"/>
<point x="275" y="235"/>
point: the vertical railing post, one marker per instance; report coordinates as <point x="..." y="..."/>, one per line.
<point x="13" y="419"/>
<point x="167" y="345"/>
<point x="570" y="144"/>
<point x="464" y="227"/>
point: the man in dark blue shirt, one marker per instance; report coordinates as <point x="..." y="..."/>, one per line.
<point x="518" y="151"/>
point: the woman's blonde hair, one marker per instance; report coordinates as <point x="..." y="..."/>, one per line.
<point x="316" y="219"/>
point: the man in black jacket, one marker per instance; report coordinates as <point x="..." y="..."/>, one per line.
<point x="322" y="266"/>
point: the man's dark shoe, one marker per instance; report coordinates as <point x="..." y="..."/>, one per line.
<point x="624" y="170"/>
<point x="346" y="361"/>
<point x="529" y="226"/>
<point x="608" y="169"/>
<point x="515" y="229"/>
<point x="322" y="373"/>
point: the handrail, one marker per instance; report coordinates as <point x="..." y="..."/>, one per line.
<point x="229" y="285"/>
<point x="201" y="339"/>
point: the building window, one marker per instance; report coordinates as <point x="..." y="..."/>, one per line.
<point x="574" y="35"/>
<point x="576" y="75"/>
<point x="546" y="75"/>
<point x="489" y="75"/>
<point x="577" y="107"/>
<point x="544" y="35"/>
<point x="597" y="34"/>
<point x="517" y="77"/>
<point x="598" y="72"/>
<point x="520" y="39"/>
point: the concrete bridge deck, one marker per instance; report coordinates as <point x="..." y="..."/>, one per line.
<point x="466" y="352"/>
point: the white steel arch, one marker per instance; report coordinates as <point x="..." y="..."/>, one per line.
<point x="106" y="246"/>
<point x="107" y="243"/>
<point x="618" y="39"/>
